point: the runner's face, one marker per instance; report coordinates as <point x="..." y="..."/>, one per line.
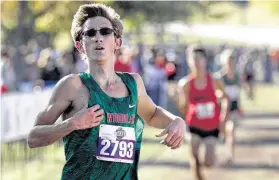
<point x="198" y="62"/>
<point x="98" y="46"/>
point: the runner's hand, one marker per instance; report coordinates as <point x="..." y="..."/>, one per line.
<point x="175" y="133"/>
<point x="87" y="118"/>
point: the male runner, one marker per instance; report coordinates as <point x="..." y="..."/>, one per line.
<point x="101" y="109"/>
<point x="199" y="105"/>
<point x="248" y="72"/>
<point x="232" y="87"/>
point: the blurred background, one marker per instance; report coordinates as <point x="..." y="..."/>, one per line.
<point x="37" y="50"/>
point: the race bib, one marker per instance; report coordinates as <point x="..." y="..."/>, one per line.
<point x="116" y="144"/>
<point x="205" y="110"/>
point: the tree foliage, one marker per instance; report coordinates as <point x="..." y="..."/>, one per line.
<point x="30" y="17"/>
<point x="23" y="20"/>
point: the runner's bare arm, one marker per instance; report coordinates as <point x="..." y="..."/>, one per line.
<point x="182" y="96"/>
<point x="159" y="118"/>
<point x="225" y="105"/>
<point x="46" y="130"/>
<point x="154" y="115"/>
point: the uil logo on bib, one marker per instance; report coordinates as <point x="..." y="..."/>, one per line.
<point x="120" y="133"/>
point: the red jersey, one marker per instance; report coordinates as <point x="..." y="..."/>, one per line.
<point x="203" y="111"/>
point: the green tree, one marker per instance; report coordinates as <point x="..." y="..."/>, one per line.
<point x="135" y="13"/>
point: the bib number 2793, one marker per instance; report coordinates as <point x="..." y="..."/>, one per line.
<point x="124" y="149"/>
<point x="114" y="147"/>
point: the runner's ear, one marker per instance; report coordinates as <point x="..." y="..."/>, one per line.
<point x="118" y="43"/>
<point x="79" y="47"/>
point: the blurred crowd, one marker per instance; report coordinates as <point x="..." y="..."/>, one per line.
<point x="43" y="67"/>
<point x="39" y="67"/>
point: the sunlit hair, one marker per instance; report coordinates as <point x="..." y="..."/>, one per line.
<point x="92" y="10"/>
<point x="192" y="50"/>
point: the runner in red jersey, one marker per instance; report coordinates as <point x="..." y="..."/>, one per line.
<point x="198" y="97"/>
<point x="203" y="111"/>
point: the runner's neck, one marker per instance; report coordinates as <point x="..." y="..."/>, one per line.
<point x="104" y="74"/>
<point x="200" y="76"/>
<point x="230" y="73"/>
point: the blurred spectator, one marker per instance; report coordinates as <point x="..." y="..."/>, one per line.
<point x="155" y="79"/>
<point x="66" y="64"/>
<point x="268" y="69"/>
<point x="3" y="89"/>
<point x="275" y="59"/>
<point x="137" y="58"/>
<point x="8" y="76"/>
<point x="50" y="72"/>
<point x="80" y="64"/>
<point x="170" y="69"/>
<point x="182" y="67"/>
<point x="165" y="59"/>
<point x="123" y="60"/>
<point x="248" y="72"/>
<point x="31" y="73"/>
<point x="170" y="63"/>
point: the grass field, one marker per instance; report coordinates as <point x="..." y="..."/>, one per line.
<point x="266" y="100"/>
<point x="158" y="160"/>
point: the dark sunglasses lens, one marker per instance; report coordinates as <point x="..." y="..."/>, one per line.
<point x="90" y="33"/>
<point x="105" y="31"/>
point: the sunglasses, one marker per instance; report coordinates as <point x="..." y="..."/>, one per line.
<point x="103" y="31"/>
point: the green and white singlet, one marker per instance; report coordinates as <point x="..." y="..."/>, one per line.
<point x="232" y="88"/>
<point x="111" y="150"/>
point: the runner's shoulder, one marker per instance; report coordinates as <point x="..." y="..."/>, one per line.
<point x="137" y="78"/>
<point x="70" y="81"/>
<point x="183" y="82"/>
<point x="68" y="86"/>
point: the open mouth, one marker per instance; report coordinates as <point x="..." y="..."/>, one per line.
<point x="99" y="48"/>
